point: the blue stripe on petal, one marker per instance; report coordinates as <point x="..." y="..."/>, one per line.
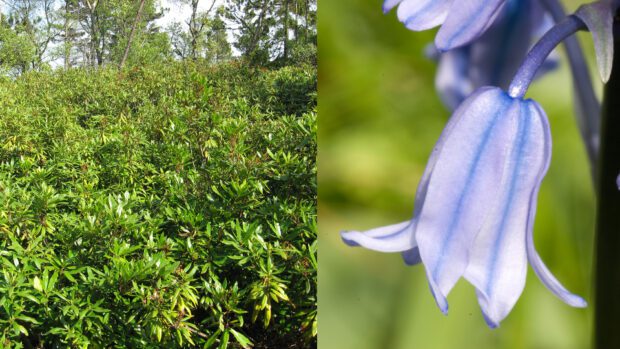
<point x="462" y="188"/>
<point x="466" y="22"/>
<point x="471" y="172"/>
<point x="400" y="237"/>
<point x="454" y="120"/>
<point x="498" y="264"/>
<point x="517" y="182"/>
<point x="420" y="195"/>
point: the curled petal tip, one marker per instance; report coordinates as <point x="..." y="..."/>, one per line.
<point x="492" y="324"/>
<point x="443" y="308"/>
<point x="348" y="238"/>
<point x="576" y="301"/>
<point x="412" y="257"/>
<point x="392" y="238"/>
<point x="440" y="299"/>
<point x="441" y="46"/>
<point x="389" y="5"/>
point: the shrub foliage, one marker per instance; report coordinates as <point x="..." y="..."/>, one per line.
<point x="164" y="206"/>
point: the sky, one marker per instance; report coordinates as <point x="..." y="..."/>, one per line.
<point x="177" y="11"/>
<point x="180" y="12"/>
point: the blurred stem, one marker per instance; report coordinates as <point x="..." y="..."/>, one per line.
<point x="607" y="254"/>
<point x="389" y="337"/>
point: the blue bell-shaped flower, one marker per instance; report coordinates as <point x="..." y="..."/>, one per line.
<point x="475" y="205"/>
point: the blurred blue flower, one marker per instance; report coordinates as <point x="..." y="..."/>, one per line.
<point x="475" y="205"/>
<point x="461" y="21"/>
<point x="493" y="58"/>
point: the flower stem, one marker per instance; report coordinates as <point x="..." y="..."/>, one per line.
<point x="537" y="55"/>
<point x="587" y="107"/>
<point x="607" y="253"/>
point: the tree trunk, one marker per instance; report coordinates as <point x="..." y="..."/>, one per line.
<point x="193" y="31"/>
<point x="307" y="18"/>
<point x="67" y="52"/>
<point x="258" y="30"/>
<point x="131" y="34"/>
<point x="94" y="40"/>
<point x="285" y="38"/>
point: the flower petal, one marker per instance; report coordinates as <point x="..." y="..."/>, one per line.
<point x="413" y="257"/>
<point x="452" y="81"/>
<point x="535" y="261"/>
<point x="463" y="186"/>
<point x="390" y="4"/>
<point x="392" y="238"/>
<point x="465" y="22"/>
<point x="423" y="14"/>
<point x="400" y="237"/>
<point x="598" y="17"/>
<point x="497" y="261"/>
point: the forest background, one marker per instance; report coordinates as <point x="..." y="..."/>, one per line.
<point x="37" y="34"/>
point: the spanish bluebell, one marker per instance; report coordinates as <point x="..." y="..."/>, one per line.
<point x="475" y="205"/>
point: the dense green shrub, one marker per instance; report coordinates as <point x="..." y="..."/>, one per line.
<point x="158" y="207"/>
<point x="289" y="90"/>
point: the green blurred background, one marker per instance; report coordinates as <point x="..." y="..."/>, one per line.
<point x="379" y="118"/>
